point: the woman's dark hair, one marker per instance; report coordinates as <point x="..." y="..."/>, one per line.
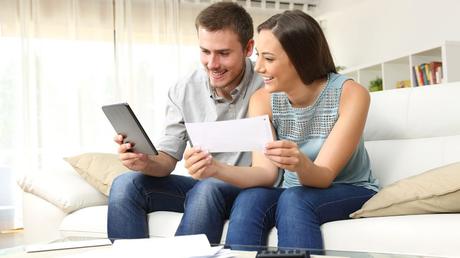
<point x="227" y="15"/>
<point x="304" y="42"/>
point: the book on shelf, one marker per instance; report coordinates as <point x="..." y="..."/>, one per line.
<point x="436" y="72"/>
<point x="419" y="72"/>
<point x="427" y="74"/>
<point x="414" y="76"/>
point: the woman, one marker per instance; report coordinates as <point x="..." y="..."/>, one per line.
<point x="319" y="117"/>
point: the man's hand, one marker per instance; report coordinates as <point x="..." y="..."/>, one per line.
<point x="199" y="163"/>
<point x="286" y="155"/>
<point x="131" y="160"/>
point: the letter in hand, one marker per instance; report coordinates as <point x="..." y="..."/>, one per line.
<point x="131" y="160"/>
<point x="199" y="163"/>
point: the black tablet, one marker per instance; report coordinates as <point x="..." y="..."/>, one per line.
<point x="123" y="120"/>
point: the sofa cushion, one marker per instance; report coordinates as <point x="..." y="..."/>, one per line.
<point x="424" y="235"/>
<point x="434" y="191"/>
<point x="66" y="190"/>
<point x="89" y="222"/>
<point x="98" y="169"/>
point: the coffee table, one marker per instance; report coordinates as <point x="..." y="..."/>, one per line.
<point x="20" y="252"/>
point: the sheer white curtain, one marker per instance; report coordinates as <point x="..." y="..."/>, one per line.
<point x="156" y="44"/>
<point x="60" y="61"/>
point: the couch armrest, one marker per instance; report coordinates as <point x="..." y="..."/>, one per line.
<point x="66" y="190"/>
<point x="45" y="227"/>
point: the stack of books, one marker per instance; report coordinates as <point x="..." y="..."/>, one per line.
<point x="427" y="73"/>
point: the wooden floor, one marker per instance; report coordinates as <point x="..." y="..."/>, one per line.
<point x="11" y="238"/>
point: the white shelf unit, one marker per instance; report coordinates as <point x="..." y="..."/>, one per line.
<point x="400" y="68"/>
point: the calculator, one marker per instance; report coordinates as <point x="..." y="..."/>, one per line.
<point x="281" y="253"/>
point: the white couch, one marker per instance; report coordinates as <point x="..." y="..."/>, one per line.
<point x="408" y="131"/>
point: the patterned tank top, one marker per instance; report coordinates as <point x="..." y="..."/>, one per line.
<point x="310" y="126"/>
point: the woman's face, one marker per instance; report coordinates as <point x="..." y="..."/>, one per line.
<point x="273" y="64"/>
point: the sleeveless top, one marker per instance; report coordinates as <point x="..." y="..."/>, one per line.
<point x="310" y="126"/>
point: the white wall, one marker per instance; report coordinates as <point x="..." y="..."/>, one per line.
<point x="364" y="32"/>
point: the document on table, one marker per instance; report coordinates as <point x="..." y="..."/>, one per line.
<point x="66" y="245"/>
<point x="247" y="134"/>
<point x="191" y="246"/>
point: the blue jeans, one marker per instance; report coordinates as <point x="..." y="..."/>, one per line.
<point x="206" y="204"/>
<point x="297" y="213"/>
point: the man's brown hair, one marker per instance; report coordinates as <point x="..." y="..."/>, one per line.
<point x="227" y="15"/>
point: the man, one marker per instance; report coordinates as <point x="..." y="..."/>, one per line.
<point x="220" y="91"/>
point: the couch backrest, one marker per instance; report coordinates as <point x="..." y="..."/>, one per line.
<point x="409" y="131"/>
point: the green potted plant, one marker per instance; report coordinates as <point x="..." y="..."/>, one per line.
<point x="376" y="85"/>
<point x="340" y="68"/>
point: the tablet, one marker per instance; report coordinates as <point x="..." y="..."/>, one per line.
<point x="123" y="120"/>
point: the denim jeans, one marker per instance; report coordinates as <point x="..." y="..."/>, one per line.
<point x="297" y="213"/>
<point x="206" y="204"/>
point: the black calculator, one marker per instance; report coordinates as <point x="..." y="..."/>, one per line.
<point x="281" y="253"/>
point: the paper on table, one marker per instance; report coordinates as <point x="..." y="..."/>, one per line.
<point x="174" y="247"/>
<point x="66" y="245"/>
<point x="239" y="135"/>
<point x="112" y="253"/>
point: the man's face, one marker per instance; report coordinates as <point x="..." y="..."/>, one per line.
<point x="223" y="57"/>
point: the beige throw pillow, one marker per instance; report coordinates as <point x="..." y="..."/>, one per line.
<point x="98" y="169"/>
<point x="434" y="191"/>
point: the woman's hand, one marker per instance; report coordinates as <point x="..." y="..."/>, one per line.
<point x="199" y="163"/>
<point x="131" y="160"/>
<point x="286" y="155"/>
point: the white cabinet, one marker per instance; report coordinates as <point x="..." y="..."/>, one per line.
<point x="399" y="71"/>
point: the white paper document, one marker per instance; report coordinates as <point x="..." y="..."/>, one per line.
<point x="191" y="246"/>
<point x="66" y="245"/>
<point x="248" y="134"/>
<point x="176" y="247"/>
